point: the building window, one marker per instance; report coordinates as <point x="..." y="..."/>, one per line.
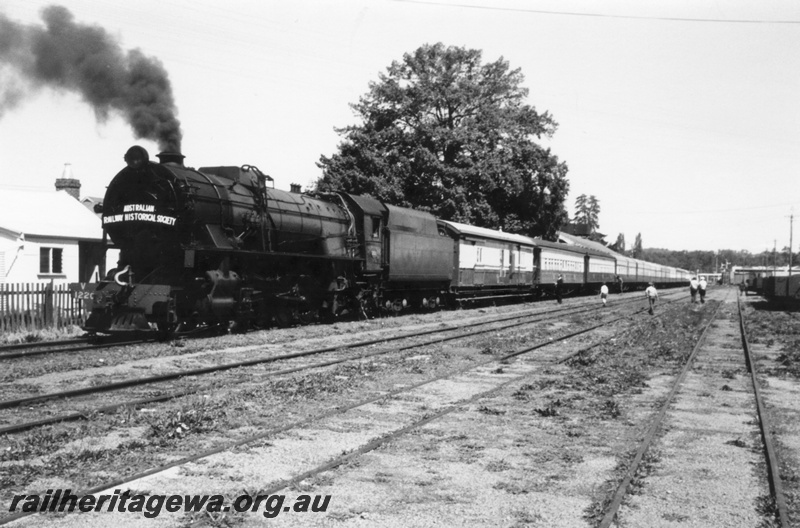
<point x="50" y="260"/>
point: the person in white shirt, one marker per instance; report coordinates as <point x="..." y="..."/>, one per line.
<point x="652" y="297"/>
<point x="693" y="284"/>
<point x="604" y="293"/>
<point x="701" y="287"/>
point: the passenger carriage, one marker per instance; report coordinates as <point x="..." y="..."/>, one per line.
<point x="490" y="264"/>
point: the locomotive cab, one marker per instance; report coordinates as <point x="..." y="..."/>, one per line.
<point x="370" y="221"/>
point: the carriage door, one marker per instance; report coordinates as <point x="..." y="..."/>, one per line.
<point x="513" y="278"/>
<point x="586" y="269"/>
<point x="373" y="243"/>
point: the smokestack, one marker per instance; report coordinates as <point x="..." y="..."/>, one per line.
<point x="171" y="157"/>
<point x="69" y="184"/>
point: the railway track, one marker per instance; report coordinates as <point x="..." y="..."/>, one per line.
<point x="43" y="344"/>
<point x="62" y="347"/>
<point x="458" y="332"/>
<point x="81" y="344"/>
<point x="473" y="378"/>
<point x="698" y="429"/>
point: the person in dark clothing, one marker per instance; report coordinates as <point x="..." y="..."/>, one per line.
<point x="559" y="288"/>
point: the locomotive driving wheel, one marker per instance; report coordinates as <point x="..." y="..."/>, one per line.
<point x="288" y="316"/>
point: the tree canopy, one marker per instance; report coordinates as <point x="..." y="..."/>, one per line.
<point x="587" y="211"/>
<point x="619" y="245"/>
<point x="442" y="132"/>
<point x="638" y="250"/>
<point x="712" y="261"/>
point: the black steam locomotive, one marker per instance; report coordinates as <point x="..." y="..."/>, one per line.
<point x="219" y="246"/>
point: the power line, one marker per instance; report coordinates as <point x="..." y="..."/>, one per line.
<point x="600" y="15"/>
<point x="711" y="211"/>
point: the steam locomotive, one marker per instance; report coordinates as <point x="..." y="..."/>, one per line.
<point x="220" y="246"/>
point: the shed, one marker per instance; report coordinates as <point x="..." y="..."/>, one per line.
<point x="49" y="236"/>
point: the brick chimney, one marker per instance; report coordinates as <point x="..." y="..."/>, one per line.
<point x="67" y="183"/>
<point x="294" y="188"/>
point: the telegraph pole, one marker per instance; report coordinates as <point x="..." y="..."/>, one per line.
<point x="774" y="257"/>
<point x="791" y="228"/>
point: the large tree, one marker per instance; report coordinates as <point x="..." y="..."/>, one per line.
<point x="442" y="132"/>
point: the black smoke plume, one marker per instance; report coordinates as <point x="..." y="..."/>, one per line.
<point x="85" y="59"/>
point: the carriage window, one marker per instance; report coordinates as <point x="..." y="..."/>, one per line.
<point x="376" y="227"/>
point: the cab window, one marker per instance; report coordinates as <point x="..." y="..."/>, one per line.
<point x="376" y="227"/>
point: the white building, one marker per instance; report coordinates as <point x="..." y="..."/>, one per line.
<point x="49" y="236"/>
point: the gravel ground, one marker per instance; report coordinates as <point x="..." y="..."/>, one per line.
<point x="547" y="449"/>
<point x="707" y="462"/>
<point x="774" y="336"/>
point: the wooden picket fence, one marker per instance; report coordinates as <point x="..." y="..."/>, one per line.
<point x="38" y="306"/>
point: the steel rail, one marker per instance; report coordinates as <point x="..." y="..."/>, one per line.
<point x="613" y="507"/>
<point x="55" y="347"/>
<point x="64" y="350"/>
<point x="374" y="444"/>
<point x="24" y="426"/>
<point x="134" y="382"/>
<point x="773" y="471"/>
<point x="20" y="427"/>
<point x="22" y="346"/>
<point x="52" y="347"/>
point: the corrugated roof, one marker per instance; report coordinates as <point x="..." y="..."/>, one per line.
<point x="465" y="229"/>
<point x="47" y="213"/>
<point x="589" y="244"/>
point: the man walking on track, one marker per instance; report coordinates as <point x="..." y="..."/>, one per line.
<point x="693" y="285"/>
<point x="701" y="288"/>
<point x="652" y="297"/>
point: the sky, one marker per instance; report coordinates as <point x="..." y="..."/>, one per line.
<point x="681" y="117"/>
